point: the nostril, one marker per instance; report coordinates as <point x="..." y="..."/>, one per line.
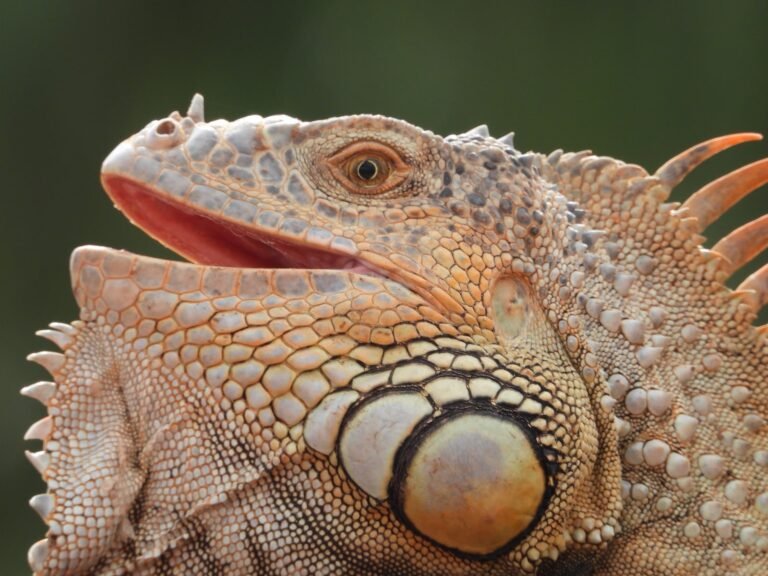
<point x="163" y="134"/>
<point x="166" y="127"/>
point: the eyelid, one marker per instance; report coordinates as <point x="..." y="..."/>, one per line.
<point x="370" y="147"/>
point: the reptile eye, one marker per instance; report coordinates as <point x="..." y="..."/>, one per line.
<point x="368" y="168"/>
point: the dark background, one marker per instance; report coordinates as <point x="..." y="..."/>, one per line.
<point x="638" y="81"/>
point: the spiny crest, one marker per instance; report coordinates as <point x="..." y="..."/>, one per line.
<point x="63" y="336"/>
<point x="712" y="201"/>
<point x="632" y="185"/>
<point x="481" y="132"/>
<point x="685" y="367"/>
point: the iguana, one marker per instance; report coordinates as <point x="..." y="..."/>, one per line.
<point x="394" y="353"/>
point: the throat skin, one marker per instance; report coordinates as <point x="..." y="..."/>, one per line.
<point x="383" y="338"/>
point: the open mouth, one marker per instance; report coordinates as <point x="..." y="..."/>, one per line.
<point x="186" y="216"/>
<point x="204" y="239"/>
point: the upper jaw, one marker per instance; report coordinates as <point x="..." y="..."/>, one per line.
<point x="168" y="180"/>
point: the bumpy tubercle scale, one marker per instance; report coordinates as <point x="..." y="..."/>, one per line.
<point x="234" y="420"/>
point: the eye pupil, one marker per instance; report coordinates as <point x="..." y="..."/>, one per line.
<point x="367" y="170"/>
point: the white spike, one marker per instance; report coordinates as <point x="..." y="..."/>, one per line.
<point x="509" y="139"/>
<point x="481" y="130"/>
<point x="51" y="361"/>
<point x="37" y="555"/>
<point x="40" y="460"/>
<point x="42" y="504"/>
<point x="40" y="391"/>
<point x="196" y="108"/>
<point x="61" y="340"/>
<point x="647" y="356"/>
<point x="62" y="327"/>
<point x="40" y="430"/>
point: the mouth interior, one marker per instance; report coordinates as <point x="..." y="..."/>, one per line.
<point x="210" y="241"/>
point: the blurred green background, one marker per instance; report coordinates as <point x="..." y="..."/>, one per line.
<point x="638" y="81"/>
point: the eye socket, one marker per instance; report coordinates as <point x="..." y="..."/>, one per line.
<point x="368" y="168"/>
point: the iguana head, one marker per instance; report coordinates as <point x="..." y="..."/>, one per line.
<point x="444" y="216"/>
<point x="397" y="353"/>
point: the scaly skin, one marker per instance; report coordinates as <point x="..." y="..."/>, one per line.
<point x="401" y="354"/>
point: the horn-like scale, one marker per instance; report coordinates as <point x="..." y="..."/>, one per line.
<point x="714" y="199"/>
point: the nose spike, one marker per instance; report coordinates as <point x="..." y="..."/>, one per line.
<point x="197" y="108"/>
